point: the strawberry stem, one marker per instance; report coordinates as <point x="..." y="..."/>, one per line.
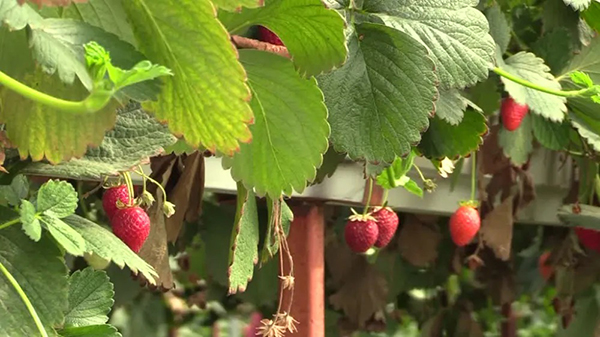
<point x="162" y="189"/>
<point x="386" y="192"/>
<point x="129" y="184"/>
<point x="473" y="173"/>
<point x="366" y="210"/>
<point x="523" y="82"/>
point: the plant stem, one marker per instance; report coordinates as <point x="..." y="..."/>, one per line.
<point x="41" y="97"/>
<point x="30" y="308"/>
<point x="523" y="82"/>
<point x="386" y="192"/>
<point x="162" y="189"/>
<point x="368" y="196"/>
<point x="10" y="223"/>
<point x="473" y="173"/>
<point x="129" y="184"/>
<point x="419" y="171"/>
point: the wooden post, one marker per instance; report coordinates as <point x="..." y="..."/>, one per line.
<point x="306" y="242"/>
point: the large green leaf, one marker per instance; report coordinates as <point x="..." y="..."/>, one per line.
<point x="90" y="298"/>
<point x="587" y="60"/>
<point x="554" y="136"/>
<point x="445" y="140"/>
<point x="499" y="27"/>
<point x="206" y="101"/>
<point x="39" y="269"/>
<point x="40" y="131"/>
<point x="135" y="137"/>
<point x="102" y="330"/>
<point x="64" y="235"/>
<point x="454" y="31"/>
<point x="243" y="253"/>
<point x="555" y="48"/>
<point x="106" y="245"/>
<point x="290" y="133"/>
<point x="380" y="100"/>
<point x="237" y="4"/>
<point x="532" y="68"/>
<point x="592" y="15"/>
<point x="518" y="144"/>
<point x="313" y="34"/>
<point x="451" y="106"/>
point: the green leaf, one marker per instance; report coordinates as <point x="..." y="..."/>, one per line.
<point x="31" y="224"/>
<point x="279" y="212"/>
<point x="587" y="216"/>
<point x="66" y="236"/>
<point x="290" y="133"/>
<point x="40" y="270"/>
<point x="90" y="298"/>
<point x="393" y="175"/>
<point x="244" y="242"/>
<point x="412" y="187"/>
<point x="58" y="135"/>
<point x="578" y="5"/>
<point x="232" y="5"/>
<point x="592" y="15"/>
<point x="554" y="136"/>
<point x="445" y="140"/>
<point x="264" y="288"/>
<point x="135" y="137"/>
<point x="443" y="26"/>
<point x="105" y="244"/>
<point x="532" y="68"/>
<point x="587" y="122"/>
<point x="219" y="220"/>
<point x="451" y="106"/>
<point x="57" y="197"/>
<point x="17" y="190"/>
<point x="378" y="106"/>
<point x="103" y="330"/>
<point x="518" y="144"/>
<point x="581" y="78"/>
<point x="206" y="100"/>
<point x="315" y="48"/>
<point x="499" y="27"/>
<point x="486" y="95"/>
<point x="555" y="48"/>
<point x="106" y="14"/>
<point x="331" y="160"/>
<point x="586" y="60"/>
<point x="16" y="16"/>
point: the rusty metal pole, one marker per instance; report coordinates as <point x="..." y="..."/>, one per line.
<point x="306" y="242"/>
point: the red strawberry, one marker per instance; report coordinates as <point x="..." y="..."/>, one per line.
<point x="387" y="223"/>
<point x="132" y="226"/>
<point x="264" y="34"/>
<point x="545" y="269"/>
<point x="361" y="232"/>
<point x="589" y="238"/>
<point x="464" y="224"/>
<point x="512" y="113"/>
<point x="110" y="197"/>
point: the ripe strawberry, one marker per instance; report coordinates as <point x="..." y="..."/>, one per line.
<point x="110" y="197"/>
<point x="545" y="269"/>
<point x="361" y="232"/>
<point x="512" y="113"/>
<point x="387" y="223"/>
<point x="132" y="226"/>
<point x="464" y="224"/>
<point x="264" y="34"/>
<point x="589" y="238"/>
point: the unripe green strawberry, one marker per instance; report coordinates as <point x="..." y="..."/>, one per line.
<point x="387" y="223"/>
<point x="110" y="197"/>
<point x="361" y="232"/>
<point x="132" y="226"/>
<point x="512" y="113"/>
<point x="464" y="224"/>
<point x="264" y="34"/>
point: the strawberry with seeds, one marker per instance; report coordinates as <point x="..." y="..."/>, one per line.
<point x="112" y="196"/>
<point x="464" y="224"/>
<point x="132" y="226"/>
<point x="387" y="223"/>
<point x="512" y="113"/>
<point x="361" y="232"/>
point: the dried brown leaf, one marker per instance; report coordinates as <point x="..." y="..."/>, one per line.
<point x="418" y="242"/>
<point x="339" y="260"/>
<point x="491" y="156"/>
<point x="155" y="251"/>
<point x="363" y="293"/>
<point x="497" y="229"/>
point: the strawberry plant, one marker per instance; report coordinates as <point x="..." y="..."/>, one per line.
<point x="110" y="109"/>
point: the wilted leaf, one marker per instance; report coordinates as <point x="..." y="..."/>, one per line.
<point x="155" y="250"/>
<point x="497" y="229"/>
<point x="417" y="242"/>
<point x="243" y="253"/>
<point x="362" y="293"/>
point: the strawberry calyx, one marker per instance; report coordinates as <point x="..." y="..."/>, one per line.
<point x="362" y="217"/>
<point x="470" y="203"/>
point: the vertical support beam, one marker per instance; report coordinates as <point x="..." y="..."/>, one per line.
<point x="306" y="242"/>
